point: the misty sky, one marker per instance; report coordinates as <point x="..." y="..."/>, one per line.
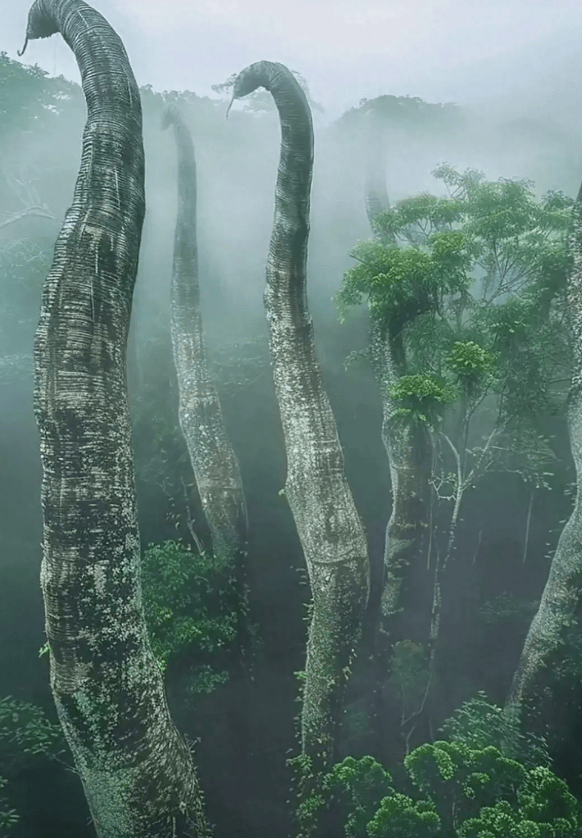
<point x="516" y="54"/>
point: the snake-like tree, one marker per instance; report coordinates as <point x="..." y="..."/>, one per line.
<point x="136" y="769"/>
<point x="328" y="524"/>
<point x="214" y="463"/>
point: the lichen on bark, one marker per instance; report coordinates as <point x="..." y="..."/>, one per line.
<point x="328" y="524"/>
<point x="136" y="769"/>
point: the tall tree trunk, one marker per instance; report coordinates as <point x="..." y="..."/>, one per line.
<point x="214" y="462"/>
<point x="563" y="589"/>
<point x="135" y="767"/>
<point x="329" y="527"/>
<point x="409" y="452"/>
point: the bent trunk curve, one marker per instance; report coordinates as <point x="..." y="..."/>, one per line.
<point x="329" y="527"/>
<point x="213" y="460"/>
<point x="214" y="463"/>
<point x="135" y="767"/>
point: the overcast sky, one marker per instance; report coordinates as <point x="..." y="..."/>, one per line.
<point x="464" y="51"/>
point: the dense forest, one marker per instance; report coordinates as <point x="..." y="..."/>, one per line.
<point x="291" y="536"/>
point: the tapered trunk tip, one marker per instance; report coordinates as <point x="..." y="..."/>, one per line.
<point x="20" y="52"/>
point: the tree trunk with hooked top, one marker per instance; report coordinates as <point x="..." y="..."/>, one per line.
<point x="136" y="769"/>
<point x="328" y="524"/>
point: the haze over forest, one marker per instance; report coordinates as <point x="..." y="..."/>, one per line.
<point x="478" y="116"/>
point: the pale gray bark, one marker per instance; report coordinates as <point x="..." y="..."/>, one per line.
<point x="213" y="460"/>
<point x="329" y="527"/>
<point x="136" y="769"/>
<point x="564" y="586"/>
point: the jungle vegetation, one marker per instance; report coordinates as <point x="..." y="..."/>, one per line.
<point x="326" y="554"/>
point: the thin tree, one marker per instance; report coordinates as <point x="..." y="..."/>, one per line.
<point x="136" y="768"/>
<point x="214" y="463"/>
<point x="328" y="524"/>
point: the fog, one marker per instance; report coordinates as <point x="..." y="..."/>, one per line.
<point x="493" y="87"/>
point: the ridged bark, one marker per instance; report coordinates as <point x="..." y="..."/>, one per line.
<point x="329" y="527"/>
<point x="563" y="589"/>
<point x="409" y="457"/>
<point x="213" y="460"/>
<point x="135" y="767"/>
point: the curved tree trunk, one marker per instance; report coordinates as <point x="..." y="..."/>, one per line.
<point x="563" y="589"/>
<point x="328" y="524"/>
<point x="214" y="462"/>
<point x="135" y="767"/>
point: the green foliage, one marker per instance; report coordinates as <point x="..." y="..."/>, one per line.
<point x="28" y="97"/>
<point x="501" y="210"/>
<point x="25" y="735"/>
<point x="422" y="399"/>
<point x="480" y="784"/>
<point x="401" y="817"/>
<point x="9" y="817"/>
<point x="311" y="802"/>
<point x="471" y="304"/>
<point x="187" y="610"/>
<point x="205" y="679"/>
<point x="189" y="603"/>
<point x="358" y="785"/>
<point x="531" y="352"/>
<point x="396" y="282"/>
<point x="409" y="673"/>
<point x="545" y="798"/>
<point x="424" y="213"/>
<point x="544" y="809"/>
<point x="401" y="284"/>
<point x="464" y="788"/>
<point x="470" y="362"/>
<point x="479" y="723"/>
